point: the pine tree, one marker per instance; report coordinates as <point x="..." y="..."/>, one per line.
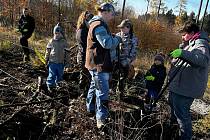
<point x="170" y="17"/>
<point x="206" y="23"/>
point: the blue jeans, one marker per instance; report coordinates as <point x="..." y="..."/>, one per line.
<point x="55" y="74"/>
<point x="180" y="110"/>
<point x="99" y="88"/>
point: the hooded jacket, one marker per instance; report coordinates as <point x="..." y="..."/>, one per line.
<point x="55" y="52"/>
<point x="26" y="22"/>
<point x="159" y="72"/>
<point x="191" y="80"/>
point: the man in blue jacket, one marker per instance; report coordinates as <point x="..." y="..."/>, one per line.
<point x="191" y="80"/>
<point x="98" y="61"/>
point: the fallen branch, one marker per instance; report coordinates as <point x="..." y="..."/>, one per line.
<point x="3" y="85"/>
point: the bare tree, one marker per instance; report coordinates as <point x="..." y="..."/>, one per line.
<point x="148" y="1"/>
<point x="157" y="6"/>
<point x="181" y="6"/>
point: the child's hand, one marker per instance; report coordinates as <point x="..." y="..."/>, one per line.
<point x="150" y="78"/>
<point x="25" y="30"/>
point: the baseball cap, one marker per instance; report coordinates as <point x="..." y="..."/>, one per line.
<point x="125" y="23"/>
<point x="106" y="7"/>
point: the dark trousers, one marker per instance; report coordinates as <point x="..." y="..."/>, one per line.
<point x="123" y="71"/>
<point x="84" y="80"/>
<point x="24" y="44"/>
<point x="180" y="111"/>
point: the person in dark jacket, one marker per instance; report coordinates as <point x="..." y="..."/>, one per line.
<point x="26" y="26"/>
<point x="155" y="78"/>
<point x="191" y="80"/>
<point x="98" y="62"/>
<point x="81" y="37"/>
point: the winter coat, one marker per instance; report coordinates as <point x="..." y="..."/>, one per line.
<point x="128" y="48"/>
<point x="81" y="37"/>
<point x="191" y="80"/>
<point x="55" y="52"/>
<point x="159" y="72"/>
<point x="26" y="22"/>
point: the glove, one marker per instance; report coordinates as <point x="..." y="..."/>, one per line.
<point x="25" y="30"/>
<point x="17" y="30"/>
<point x="176" y="53"/>
<point x="150" y="78"/>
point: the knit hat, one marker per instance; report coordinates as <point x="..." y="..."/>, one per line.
<point x="160" y="58"/>
<point x="58" y="29"/>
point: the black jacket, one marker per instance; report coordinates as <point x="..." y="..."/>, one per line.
<point x="81" y="37"/>
<point x="159" y="72"/>
<point x="26" y="22"/>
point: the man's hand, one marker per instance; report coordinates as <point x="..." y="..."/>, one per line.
<point x="176" y="53"/>
<point x="99" y="67"/>
<point x="150" y="78"/>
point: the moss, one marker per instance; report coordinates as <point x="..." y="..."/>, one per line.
<point x="4" y="45"/>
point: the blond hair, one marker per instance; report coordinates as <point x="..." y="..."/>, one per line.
<point x="81" y="20"/>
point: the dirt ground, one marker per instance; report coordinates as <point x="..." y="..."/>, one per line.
<point x="29" y="112"/>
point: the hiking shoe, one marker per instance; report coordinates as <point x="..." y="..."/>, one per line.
<point x="50" y="89"/>
<point x="26" y="58"/>
<point x="147" y="106"/>
<point x="100" y="123"/>
<point x="154" y="108"/>
<point x="91" y="113"/>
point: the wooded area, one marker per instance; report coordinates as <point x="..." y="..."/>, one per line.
<point x="158" y="22"/>
<point x="29" y="111"/>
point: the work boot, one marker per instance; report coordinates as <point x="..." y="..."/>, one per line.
<point x="51" y="89"/>
<point x="26" y="58"/>
<point x="91" y="113"/>
<point x="100" y="123"/>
